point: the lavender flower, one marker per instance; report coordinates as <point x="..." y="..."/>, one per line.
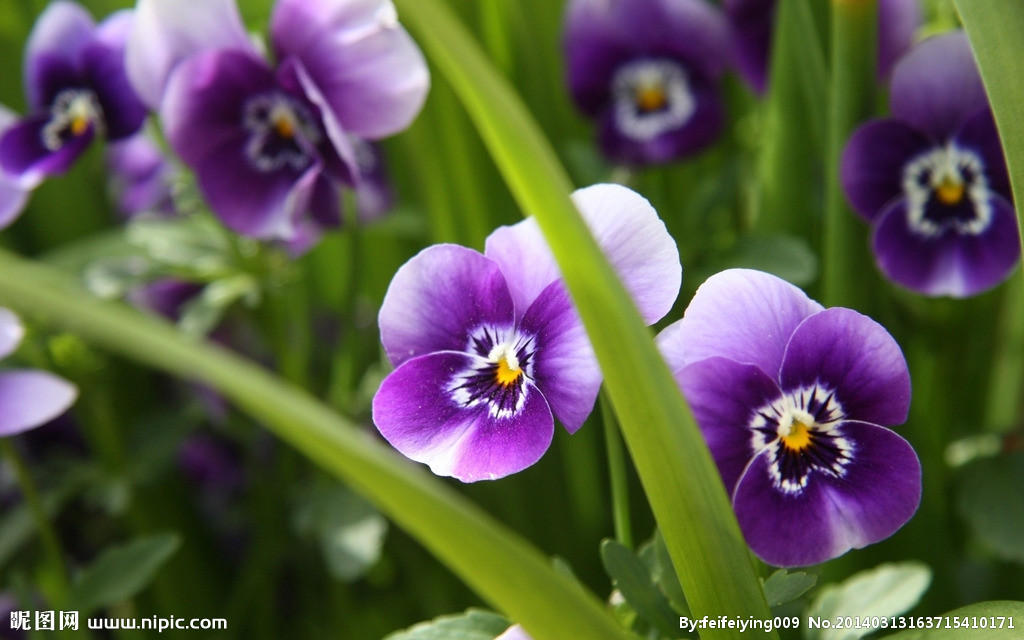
<point x="271" y="145"/>
<point x="790" y="398"/>
<point x="932" y="180"/>
<point x="647" y="71"/>
<point x="28" y="398"/>
<point x="141" y="176"/>
<point x="753" y="22"/>
<point x="77" y="90"/>
<point x="488" y="348"/>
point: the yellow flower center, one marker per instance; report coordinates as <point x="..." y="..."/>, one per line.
<point x="950" y="192"/>
<point x="508" y="370"/>
<point x="285" y="127"/>
<point x="651" y="98"/>
<point x="798" y="436"/>
<point x="79" y="124"/>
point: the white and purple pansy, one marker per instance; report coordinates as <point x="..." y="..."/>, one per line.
<point x="648" y="71"/>
<point x="28" y="397"/>
<point x="932" y="180"/>
<point x="271" y="143"/>
<point x="793" y="400"/>
<point x="77" y="90"/>
<point x="489" y="349"/>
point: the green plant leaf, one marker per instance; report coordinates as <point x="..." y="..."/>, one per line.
<point x="655" y="554"/>
<point x="679" y="477"/>
<point x="121" y="572"/>
<point x="634" y="582"/>
<point x="782" y="587"/>
<point x="886" y="590"/>
<point x="989" y="499"/>
<point x="1011" y="612"/>
<point x="474" y="624"/>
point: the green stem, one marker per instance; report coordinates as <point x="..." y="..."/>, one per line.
<point x="617" y="475"/>
<point x="503" y="568"/>
<point x="51" y="544"/>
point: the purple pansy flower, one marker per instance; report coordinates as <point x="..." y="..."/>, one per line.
<point x="270" y="145"/>
<point x="647" y="71"/>
<point x="753" y="22"/>
<point x="932" y="180"/>
<point x="141" y="176"/>
<point x="489" y="348"/>
<point x="77" y="90"/>
<point x="790" y="398"/>
<point x="28" y="398"/>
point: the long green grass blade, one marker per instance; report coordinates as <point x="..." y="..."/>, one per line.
<point x="677" y="472"/>
<point x="503" y="568"/>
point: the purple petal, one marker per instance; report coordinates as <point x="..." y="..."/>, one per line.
<point x="950" y="264"/>
<point x="854" y="356"/>
<point x="140" y="175"/>
<point x="169" y="31"/>
<point x="877" y="494"/>
<point x="700" y="130"/>
<point x="565" y="370"/>
<point x="25" y="157"/>
<point x="980" y="135"/>
<point x="936" y="86"/>
<point x="624" y="225"/>
<point x="437" y="298"/>
<point x="724" y="395"/>
<point x="60" y="34"/>
<point x="29" y="398"/>
<point x="372" y="73"/>
<point x="11" y="332"/>
<point x="753" y="22"/>
<point x="740" y="314"/>
<point x="873" y="161"/>
<point x="898" y="21"/>
<point x="374" y="193"/>
<point x="104" y="58"/>
<point x="415" y="412"/>
<point x="515" y="632"/>
<point x="12" y="195"/>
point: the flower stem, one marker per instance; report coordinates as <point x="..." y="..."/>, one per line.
<point x="51" y="544"/>
<point x="617" y="475"/>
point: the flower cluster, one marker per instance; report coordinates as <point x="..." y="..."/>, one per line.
<point x="489" y="348"/>
<point x="273" y="143"/>
<point x="791" y="399"/>
<point x="931" y="180"/>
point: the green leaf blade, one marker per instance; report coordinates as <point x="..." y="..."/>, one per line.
<point x="122" y="571"/>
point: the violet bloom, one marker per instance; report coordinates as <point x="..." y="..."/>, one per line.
<point x="489" y="348"/>
<point x="790" y="398"/>
<point x="753" y="22"/>
<point x="270" y="143"/>
<point x="647" y="71"/>
<point x="28" y="398"/>
<point x="931" y="179"/>
<point x="141" y="176"/>
<point x="77" y="90"/>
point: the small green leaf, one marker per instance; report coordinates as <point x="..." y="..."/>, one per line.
<point x="1004" y="621"/>
<point x="474" y="624"/>
<point x="349" y="530"/>
<point x="989" y="500"/>
<point x="886" y="590"/>
<point x="655" y="554"/>
<point x="634" y="582"/>
<point x="121" y="572"/>
<point x="782" y="587"/>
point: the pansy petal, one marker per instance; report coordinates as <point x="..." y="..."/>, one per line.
<point x="877" y="493"/>
<point x="854" y="356"/>
<point x="898" y="20"/>
<point x="979" y="134"/>
<point x="11" y="332"/>
<point x="871" y="169"/>
<point x="740" y="314"/>
<point x="936" y="86"/>
<point x="950" y="264"/>
<point x="57" y="39"/>
<point x="29" y="398"/>
<point x="566" y="369"/>
<point x="594" y="46"/>
<point x="416" y="412"/>
<point x="625" y="226"/>
<point x="438" y="298"/>
<point x="370" y="70"/>
<point x="168" y="31"/>
<point x="753" y="22"/>
<point x="515" y="632"/>
<point x="723" y="395"/>
<point x="25" y="157"/>
<point x="12" y="200"/>
<point x="103" y="58"/>
<point x="696" y="133"/>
